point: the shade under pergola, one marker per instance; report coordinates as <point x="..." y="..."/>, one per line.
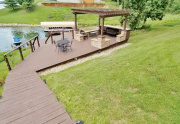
<point x="103" y="13"/>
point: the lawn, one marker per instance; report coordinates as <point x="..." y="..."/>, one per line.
<point x="136" y="84"/>
<point x="1" y="90"/>
<point x="46" y="13"/>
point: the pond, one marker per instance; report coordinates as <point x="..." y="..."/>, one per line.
<point x="24" y="33"/>
<point x="2" y="6"/>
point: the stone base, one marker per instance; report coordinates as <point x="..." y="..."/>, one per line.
<point x="79" y="37"/>
<point x="100" y="43"/>
<point x="121" y="37"/>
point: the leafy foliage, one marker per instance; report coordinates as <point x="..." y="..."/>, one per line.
<point x="141" y="10"/>
<point x="28" y="4"/>
<point x="10" y="4"/>
<point x="174" y="7"/>
<point x="20" y="1"/>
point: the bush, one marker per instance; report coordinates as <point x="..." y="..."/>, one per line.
<point x="175" y="8"/>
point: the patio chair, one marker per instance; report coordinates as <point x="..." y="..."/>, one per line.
<point x="57" y="46"/>
<point x="70" y="44"/>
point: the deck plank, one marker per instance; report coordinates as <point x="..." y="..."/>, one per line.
<point x="49" y="116"/>
<point x="30" y="105"/>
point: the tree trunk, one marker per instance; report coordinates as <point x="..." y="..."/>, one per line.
<point x="144" y="23"/>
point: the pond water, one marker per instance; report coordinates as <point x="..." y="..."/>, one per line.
<point x="1" y="6"/>
<point x="24" y="33"/>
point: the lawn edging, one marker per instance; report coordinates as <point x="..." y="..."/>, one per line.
<point x="17" y="25"/>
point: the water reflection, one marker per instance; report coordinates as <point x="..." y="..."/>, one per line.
<point x="2" y="6"/>
<point x="24" y="33"/>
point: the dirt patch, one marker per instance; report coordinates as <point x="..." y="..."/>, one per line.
<point x="132" y="89"/>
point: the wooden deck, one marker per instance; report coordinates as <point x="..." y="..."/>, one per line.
<point x="26" y="98"/>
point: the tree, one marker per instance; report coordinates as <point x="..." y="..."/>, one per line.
<point x="141" y="10"/>
<point x="20" y="1"/>
<point x="10" y="4"/>
<point x="28" y="4"/>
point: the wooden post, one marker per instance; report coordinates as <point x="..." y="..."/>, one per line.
<point x="75" y="21"/>
<point x="51" y="39"/>
<point x="38" y="41"/>
<point x="7" y="62"/>
<point x="63" y="34"/>
<point x="31" y="46"/>
<point x="99" y="21"/>
<point x="20" y="50"/>
<point x="102" y="26"/>
<point x="125" y="23"/>
<point x="73" y="34"/>
<point x="34" y="43"/>
<point x="47" y="39"/>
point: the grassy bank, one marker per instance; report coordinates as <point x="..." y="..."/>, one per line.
<point x="1" y="90"/>
<point x="137" y="84"/>
<point x="45" y="13"/>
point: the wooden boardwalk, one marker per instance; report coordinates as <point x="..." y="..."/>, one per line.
<point x="26" y="98"/>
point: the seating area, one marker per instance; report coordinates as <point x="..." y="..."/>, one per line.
<point x="97" y="37"/>
<point x="63" y="45"/>
<point x="122" y="33"/>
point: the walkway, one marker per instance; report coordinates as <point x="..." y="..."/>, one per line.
<point x="26" y="98"/>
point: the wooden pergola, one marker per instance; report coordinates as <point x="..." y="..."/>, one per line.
<point x="103" y="13"/>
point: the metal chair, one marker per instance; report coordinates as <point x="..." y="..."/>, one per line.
<point x="57" y="46"/>
<point x="70" y="44"/>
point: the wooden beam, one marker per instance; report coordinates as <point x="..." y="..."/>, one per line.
<point x="75" y="21"/>
<point x="7" y="62"/>
<point x="99" y="20"/>
<point x="20" y="50"/>
<point x="73" y="34"/>
<point x="38" y="41"/>
<point x="102" y="27"/>
<point x="31" y="46"/>
<point x="63" y="34"/>
<point x="51" y="38"/>
<point x="125" y="23"/>
<point x="47" y="39"/>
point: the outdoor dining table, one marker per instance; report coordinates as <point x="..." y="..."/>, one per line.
<point x="62" y="44"/>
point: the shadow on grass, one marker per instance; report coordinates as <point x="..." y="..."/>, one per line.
<point x="16" y="9"/>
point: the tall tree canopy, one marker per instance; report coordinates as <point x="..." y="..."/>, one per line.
<point x="142" y="10"/>
<point x="28" y="4"/>
<point x="11" y="4"/>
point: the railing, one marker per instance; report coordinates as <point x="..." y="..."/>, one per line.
<point x="32" y="45"/>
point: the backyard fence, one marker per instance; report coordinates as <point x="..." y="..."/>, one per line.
<point x="30" y="43"/>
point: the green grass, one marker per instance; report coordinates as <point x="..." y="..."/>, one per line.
<point x="1" y="90"/>
<point x="45" y="13"/>
<point x="136" y="84"/>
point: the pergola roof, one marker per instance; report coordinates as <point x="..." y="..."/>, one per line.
<point x="102" y="12"/>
